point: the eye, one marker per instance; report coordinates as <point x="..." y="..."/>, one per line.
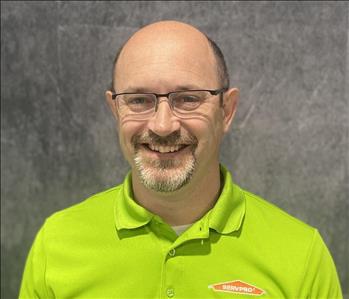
<point x="187" y="101"/>
<point x="138" y="100"/>
<point x="190" y="99"/>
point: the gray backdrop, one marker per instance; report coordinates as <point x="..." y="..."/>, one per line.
<point x="289" y="143"/>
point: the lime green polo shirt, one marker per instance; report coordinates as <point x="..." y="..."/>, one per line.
<point x="108" y="246"/>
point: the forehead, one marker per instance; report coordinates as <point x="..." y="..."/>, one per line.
<point x="166" y="58"/>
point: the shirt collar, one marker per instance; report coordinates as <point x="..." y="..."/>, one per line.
<point x="129" y="214"/>
<point x="225" y="217"/>
<point x="229" y="211"/>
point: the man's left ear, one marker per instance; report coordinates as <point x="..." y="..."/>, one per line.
<point x="230" y="102"/>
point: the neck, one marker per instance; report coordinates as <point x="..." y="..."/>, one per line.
<point x="184" y="206"/>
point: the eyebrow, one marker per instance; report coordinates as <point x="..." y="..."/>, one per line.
<point x="134" y="89"/>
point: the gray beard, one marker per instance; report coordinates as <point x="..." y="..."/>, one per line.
<point x="171" y="178"/>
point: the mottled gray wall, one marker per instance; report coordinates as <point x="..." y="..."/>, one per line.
<point x="289" y="142"/>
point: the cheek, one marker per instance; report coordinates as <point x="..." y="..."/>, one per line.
<point x="208" y="130"/>
<point x="127" y="129"/>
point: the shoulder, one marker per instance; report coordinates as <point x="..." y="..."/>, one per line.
<point x="92" y="210"/>
<point x="268" y="223"/>
<point x="269" y="214"/>
<point x="293" y="250"/>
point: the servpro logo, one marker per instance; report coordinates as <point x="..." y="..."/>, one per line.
<point x="237" y="286"/>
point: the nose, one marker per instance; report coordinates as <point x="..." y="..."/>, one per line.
<point x="163" y="122"/>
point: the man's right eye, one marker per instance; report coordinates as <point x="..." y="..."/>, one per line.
<point x="137" y="101"/>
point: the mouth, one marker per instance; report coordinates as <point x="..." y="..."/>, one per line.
<point x="165" y="149"/>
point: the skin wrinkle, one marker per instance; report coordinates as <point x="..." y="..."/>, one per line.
<point x="197" y="116"/>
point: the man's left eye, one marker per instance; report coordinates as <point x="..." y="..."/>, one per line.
<point x="190" y="99"/>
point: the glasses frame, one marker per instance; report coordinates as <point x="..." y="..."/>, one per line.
<point x="213" y="92"/>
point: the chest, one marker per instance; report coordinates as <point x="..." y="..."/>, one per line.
<point x="145" y="266"/>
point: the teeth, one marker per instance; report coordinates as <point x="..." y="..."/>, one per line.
<point x="164" y="149"/>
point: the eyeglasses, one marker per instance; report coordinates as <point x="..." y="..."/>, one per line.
<point x="182" y="103"/>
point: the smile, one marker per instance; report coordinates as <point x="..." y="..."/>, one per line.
<point x="164" y="149"/>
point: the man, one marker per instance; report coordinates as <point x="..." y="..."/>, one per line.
<point x="177" y="226"/>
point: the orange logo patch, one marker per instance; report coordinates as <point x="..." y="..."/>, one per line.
<point x="238" y="287"/>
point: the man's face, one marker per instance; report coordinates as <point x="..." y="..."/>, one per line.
<point x="166" y="151"/>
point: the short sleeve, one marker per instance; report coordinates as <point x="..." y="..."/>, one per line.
<point x="33" y="284"/>
<point x="320" y="275"/>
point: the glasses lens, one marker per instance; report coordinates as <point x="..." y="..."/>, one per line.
<point x="187" y="101"/>
<point x="136" y="103"/>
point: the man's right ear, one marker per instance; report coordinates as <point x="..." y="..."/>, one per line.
<point x="111" y="103"/>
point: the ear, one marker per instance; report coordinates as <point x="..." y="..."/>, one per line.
<point x="111" y="103"/>
<point x="230" y="103"/>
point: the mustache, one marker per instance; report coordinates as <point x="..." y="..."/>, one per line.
<point x="175" y="138"/>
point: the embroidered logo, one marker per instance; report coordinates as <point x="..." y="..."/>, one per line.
<point x="238" y="287"/>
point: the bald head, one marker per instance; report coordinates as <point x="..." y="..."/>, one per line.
<point x="170" y="44"/>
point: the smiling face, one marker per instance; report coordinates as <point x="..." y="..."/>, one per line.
<point x="166" y="151"/>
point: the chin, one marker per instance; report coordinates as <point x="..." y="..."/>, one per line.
<point x="165" y="175"/>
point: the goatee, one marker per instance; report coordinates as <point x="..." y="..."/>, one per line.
<point x="164" y="175"/>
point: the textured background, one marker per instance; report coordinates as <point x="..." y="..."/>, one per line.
<point x="289" y="143"/>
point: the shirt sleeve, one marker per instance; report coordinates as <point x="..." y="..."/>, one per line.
<point x="33" y="284"/>
<point x="320" y="275"/>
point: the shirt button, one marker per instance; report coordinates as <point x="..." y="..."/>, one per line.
<point x="172" y="252"/>
<point x="170" y="293"/>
